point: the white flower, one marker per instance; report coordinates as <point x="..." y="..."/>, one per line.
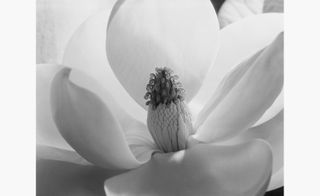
<point x="232" y="103"/>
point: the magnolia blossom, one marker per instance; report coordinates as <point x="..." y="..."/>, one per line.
<point x="232" y="80"/>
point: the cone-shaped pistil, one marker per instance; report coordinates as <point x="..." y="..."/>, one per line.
<point x="169" y="120"/>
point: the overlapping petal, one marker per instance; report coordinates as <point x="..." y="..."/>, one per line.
<point x="88" y="125"/>
<point x="249" y="98"/>
<point x="142" y="35"/>
<point x="205" y="169"/>
<point x="239" y="41"/>
<point x="47" y="132"/>
<point x="57" y="20"/>
<point x="136" y="134"/>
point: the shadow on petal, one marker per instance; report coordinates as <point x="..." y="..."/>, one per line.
<point x="205" y="169"/>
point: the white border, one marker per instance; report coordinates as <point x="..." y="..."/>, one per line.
<point x="17" y="98"/>
<point x="302" y="97"/>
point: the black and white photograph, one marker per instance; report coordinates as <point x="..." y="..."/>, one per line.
<point x="160" y="97"/>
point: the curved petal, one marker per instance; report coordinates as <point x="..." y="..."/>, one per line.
<point x="180" y="34"/>
<point x="205" y="169"/>
<point x="47" y="132"/>
<point x="86" y="52"/>
<point x="57" y="20"/>
<point x="234" y="10"/>
<point x="136" y="133"/>
<point x="249" y="98"/>
<point x="237" y="45"/>
<point x="137" y="136"/>
<point x="88" y="125"/>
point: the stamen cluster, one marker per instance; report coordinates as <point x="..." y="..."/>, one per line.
<point x="163" y="88"/>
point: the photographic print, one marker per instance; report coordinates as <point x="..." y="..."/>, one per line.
<point x="159" y="97"/>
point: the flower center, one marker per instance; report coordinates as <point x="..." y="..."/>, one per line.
<point x="169" y="120"/>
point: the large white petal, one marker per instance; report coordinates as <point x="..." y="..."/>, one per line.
<point x="86" y="52"/>
<point x="137" y="136"/>
<point x="205" y="169"/>
<point x="239" y="41"/>
<point x="47" y="132"/>
<point x="57" y="20"/>
<point x="136" y="133"/>
<point x="180" y="34"/>
<point x="88" y="125"/>
<point x="249" y="98"/>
